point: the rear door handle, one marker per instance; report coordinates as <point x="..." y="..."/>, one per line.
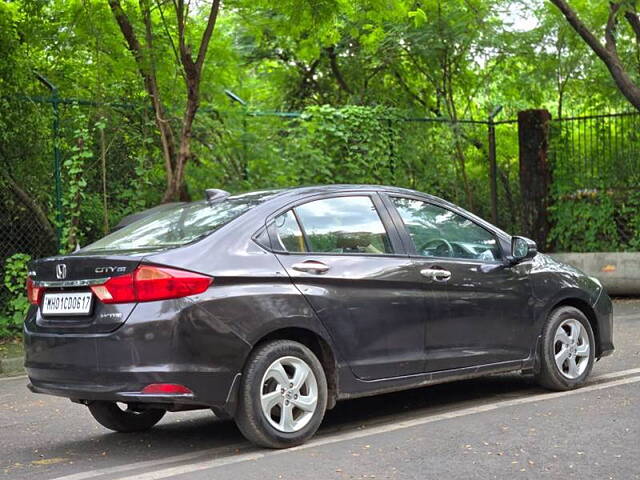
<point x="436" y="274"/>
<point x="310" y="266"/>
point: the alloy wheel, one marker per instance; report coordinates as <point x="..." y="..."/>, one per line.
<point x="571" y="348"/>
<point x="289" y="394"/>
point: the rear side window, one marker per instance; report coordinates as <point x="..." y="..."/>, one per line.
<point x="178" y="226"/>
<point x="289" y="234"/>
<point x="343" y="225"/>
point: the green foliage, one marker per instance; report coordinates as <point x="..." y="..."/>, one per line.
<point x="352" y="144"/>
<point x="75" y="182"/>
<point x="596" y="220"/>
<point x="419" y="17"/>
<point x="15" y="276"/>
<point x="584" y="224"/>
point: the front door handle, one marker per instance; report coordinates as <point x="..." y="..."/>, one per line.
<point x="436" y="274"/>
<point x="310" y="266"/>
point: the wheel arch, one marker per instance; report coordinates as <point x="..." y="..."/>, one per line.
<point x="318" y="345"/>
<point x="588" y="311"/>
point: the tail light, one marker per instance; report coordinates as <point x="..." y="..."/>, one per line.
<point x="166" y="388"/>
<point x="148" y="283"/>
<point x="34" y="294"/>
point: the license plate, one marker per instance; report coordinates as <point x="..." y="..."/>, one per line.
<point x="78" y="303"/>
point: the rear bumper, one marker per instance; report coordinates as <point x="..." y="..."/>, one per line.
<point x="180" y="345"/>
<point x="209" y="390"/>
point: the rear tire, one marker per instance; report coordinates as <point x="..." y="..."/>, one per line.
<point x="283" y="395"/>
<point x="111" y="416"/>
<point x="567" y="350"/>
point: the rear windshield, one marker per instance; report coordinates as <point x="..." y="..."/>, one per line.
<point x="180" y="225"/>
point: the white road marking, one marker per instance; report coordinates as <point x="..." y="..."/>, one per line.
<point x="341" y="436"/>
<point x="147" y="463"/>
<point x="621" y="373"/>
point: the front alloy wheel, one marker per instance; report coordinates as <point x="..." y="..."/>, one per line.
<point x="571" y="348"/>
<point x="566" y="353"/>
<point x="283" y="395"/>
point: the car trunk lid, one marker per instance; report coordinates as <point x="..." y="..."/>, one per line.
<point x="66" y="282"/>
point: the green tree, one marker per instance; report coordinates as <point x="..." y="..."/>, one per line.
<point x="176" y="145"/>
<point x="608" y="52"/>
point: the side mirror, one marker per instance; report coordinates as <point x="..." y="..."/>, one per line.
<point x="522" y="249"/>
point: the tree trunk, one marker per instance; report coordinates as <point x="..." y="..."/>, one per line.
<point x="535" y="173"/>
<point x="175" y="161"/>
<point x="608" y="53"/>
<point x="28" y="201"/>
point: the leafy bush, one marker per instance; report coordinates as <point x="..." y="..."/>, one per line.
<point x="596" y="220"/>
<point x="15" y="276"/>
<point x="352" y="144"/>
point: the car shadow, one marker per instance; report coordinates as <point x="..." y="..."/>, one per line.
<point x="433" y="399"/>
<point x="186" y="433"/>
<point x="201" y="436"/>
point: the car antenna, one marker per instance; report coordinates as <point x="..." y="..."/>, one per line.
<point x="214" y="195"/>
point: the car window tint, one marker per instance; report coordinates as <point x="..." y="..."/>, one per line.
<point x="438" y="232"/>
<point x="343" y="225"/>
<point x="289" y="234"/>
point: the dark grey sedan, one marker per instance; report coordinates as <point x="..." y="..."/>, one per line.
<point x="268" y="307"/>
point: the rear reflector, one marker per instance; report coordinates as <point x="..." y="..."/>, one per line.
<point x="148" y="283"/>
<point x="34" y="294"/>
<point x="166" y="389"/>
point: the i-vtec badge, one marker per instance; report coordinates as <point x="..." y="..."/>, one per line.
<point x="110" y="269"/>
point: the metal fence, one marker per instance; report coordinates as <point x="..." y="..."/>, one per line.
<point x="32" y="180"/>
<point x="596" y="152"/>
<point x="595" y="163"/>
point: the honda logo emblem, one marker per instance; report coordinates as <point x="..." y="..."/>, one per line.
<point x="61" y="271"/>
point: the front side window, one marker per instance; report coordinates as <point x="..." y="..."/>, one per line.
<point x="438" y="232"/>
<point x="343" y="225"/>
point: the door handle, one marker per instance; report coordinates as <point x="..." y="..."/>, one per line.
<point x="310" y="266"/>
<point x="436" y="274"/>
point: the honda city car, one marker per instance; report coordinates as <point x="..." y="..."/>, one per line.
<point x="269" y="307"/>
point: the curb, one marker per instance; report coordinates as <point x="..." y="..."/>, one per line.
<point x="11" y="367"/>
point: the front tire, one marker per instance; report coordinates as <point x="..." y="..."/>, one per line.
<point x="567" y="351"/>
<point x="111" y="416"/>
<point x="283" y="395"/>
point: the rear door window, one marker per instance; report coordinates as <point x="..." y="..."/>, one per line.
<point x="343" y="225"/>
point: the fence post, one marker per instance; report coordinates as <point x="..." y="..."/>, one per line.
<point x="493" y="168"/>
<point x="57" y="164"/>
<point x="535" y="172"/>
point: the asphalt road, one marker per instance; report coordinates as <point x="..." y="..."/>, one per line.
<point x="501" y="427"/>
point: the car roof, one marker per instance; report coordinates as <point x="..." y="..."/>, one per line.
<point x="337" y="188"/>
<point x="294" y="193"/>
